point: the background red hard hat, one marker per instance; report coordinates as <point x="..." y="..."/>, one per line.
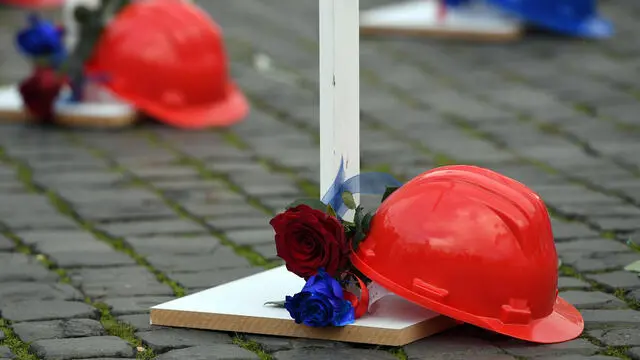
<point x="168" y="58"/>
<point x="475" y="246"/>
<point x="33" y="4"/>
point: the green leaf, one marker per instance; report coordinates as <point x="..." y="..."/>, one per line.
<point x="278" y="304"/>
<point x="331" y="212"/>
<point x="312" y="203"/>
<point x="559" y="263"/>
<point x="634" y="266"/>
<point x="357" y="218"/>
<point x="357" y="239"/>
<point x="366" y="222"/>
<point x="389" y="191"/>
<point x="348" y="200"/>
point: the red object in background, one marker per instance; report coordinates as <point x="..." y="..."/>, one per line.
<point x="33" y="4"/>
<point x="168" y="58"/>
<point x="40" y="91"/>
<point x="475" y="246"/>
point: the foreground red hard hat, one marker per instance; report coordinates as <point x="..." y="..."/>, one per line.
<point x="475" y="246"/>
<point x="168" y="58"/>
<point x="33" y="4"/>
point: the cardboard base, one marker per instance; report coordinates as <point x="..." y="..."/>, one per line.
<point x="102" y="114"/>
<point x="476" y="21"/>
<point x="238" y="306"/>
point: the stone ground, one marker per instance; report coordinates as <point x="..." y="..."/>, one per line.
<point x="98" y="226"/>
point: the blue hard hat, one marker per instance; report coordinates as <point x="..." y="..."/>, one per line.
<point x="572" y="17"/>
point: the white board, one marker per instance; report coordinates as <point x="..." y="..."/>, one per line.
<point x="239" y="306"/>
<point x="476" y="20"/>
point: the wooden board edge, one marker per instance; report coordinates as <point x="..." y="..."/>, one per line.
<point x="15" y="117"/>
<point x="88" y="121"/>
<point x="444" y="34"/>
<point x="282" y="327"/>
<point x="77" y="121"/>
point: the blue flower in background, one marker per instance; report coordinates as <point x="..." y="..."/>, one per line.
<point x="42" y="39"/>
<point x="320" y="303"/>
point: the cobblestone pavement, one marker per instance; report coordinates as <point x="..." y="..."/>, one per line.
<point x="98" y="226"/>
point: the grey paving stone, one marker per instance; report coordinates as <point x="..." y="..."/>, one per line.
<point x="164" y="172"/>
<point x="41" y="310"/>
<point x="239" y="223"/>
<point x="577" y="357"/>
<point x="578" y="346"/>
<point x="571" y="230"/>
<point x="592" y="300"/>
<point x="599" y="318"/>
<point x="6" y="244"/>
<point x="124" y="212"/>
<point x="58" y="329"/>
<point x="139" y="321"/>
<point x="447" y="346"/>
<point x="591" y="245"/>
<point x="277" y="343"/>
<point x="599" y="261"/>
<point x="19" y="267"/>
<point x="19" y="291"/>
<point x="90" y="179"/>
<point x="135" y="305"/>
<point x="64" y="241"/>
<point x="165" y="339"/>
<point x="617" y="337"/>
<point x="617" y="279"/>
<point x="210" y="352"/>
<point x="102" y="358"/>
<point x="172" y="245"/>
<point x="150" y="227"/>
<point x="572" y="283"/>
<point x="228" y="210"/>
<point x="330" y="353"/>
<point x="5" y="353"/>
<point x="222" y="257"/>
<point x="625" y="224"/>
<point x="88" y="347"/>
<point x="634" y="353"/>
<point x="189" y="184"/>
<point x="80" y="197"/>
<point x="635" y="294"/>
<point x="251" y="237"/>
<point x="268" y="251"/>
<point x="77" y="259"/>
<point x="118" y="282"/>
<point x="207" y="279"/>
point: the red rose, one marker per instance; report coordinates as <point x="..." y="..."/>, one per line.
<point x="309" y="239"/>
<point x="40" y="91"/>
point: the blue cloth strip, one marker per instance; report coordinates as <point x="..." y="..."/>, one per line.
<point x="370" y="183"/>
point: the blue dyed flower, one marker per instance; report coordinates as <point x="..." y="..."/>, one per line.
<point x="320" y="303"/>
<point x="42" y="39"/>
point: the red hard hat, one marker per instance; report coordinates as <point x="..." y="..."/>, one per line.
<point x="35" y="4"/>
<point x="168" y="58"/>
<point x="475" y="246"/>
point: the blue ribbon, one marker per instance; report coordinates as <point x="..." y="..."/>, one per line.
<point x="369" y="183"/>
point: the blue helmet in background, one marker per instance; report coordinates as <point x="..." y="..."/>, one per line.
<point x="572" y="17"/>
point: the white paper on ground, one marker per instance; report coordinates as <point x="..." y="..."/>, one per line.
<point x="423" y="14"/>
<point x="246" y="297"/>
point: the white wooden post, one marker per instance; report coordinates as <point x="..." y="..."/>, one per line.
<point x="339" y="91"/>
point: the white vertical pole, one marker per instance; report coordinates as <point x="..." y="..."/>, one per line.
<point x="339" y="90"/>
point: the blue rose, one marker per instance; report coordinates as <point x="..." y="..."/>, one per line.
<point x="42" y="39"/>
<point x="320" y="303"/>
